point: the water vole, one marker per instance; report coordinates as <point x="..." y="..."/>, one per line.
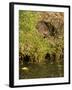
<point x="46" y="28"/>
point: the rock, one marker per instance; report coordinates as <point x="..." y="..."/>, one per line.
<point x="25" y="68"/>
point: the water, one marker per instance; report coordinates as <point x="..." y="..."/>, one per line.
<point x="41" y="70"/>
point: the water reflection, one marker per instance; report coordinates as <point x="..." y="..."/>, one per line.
<point x="41" y="70"/>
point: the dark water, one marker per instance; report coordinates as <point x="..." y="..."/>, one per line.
<point x="41" y="70"/>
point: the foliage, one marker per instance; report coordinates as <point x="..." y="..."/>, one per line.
<point x="31" y="42"/>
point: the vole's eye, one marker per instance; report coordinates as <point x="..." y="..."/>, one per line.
<point x="44" y="37"/>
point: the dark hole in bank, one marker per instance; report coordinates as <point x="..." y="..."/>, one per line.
<point x="26" y="59"/>
<point x="50" y="57"/>
<point x="47" y="57"/>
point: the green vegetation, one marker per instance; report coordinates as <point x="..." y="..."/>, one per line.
<point x="33" y="44"/>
